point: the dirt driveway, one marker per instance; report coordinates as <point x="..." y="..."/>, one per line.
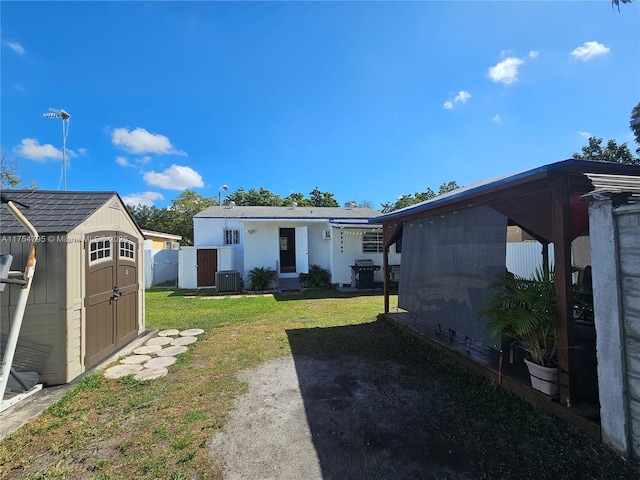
<point x="337" y="417"/>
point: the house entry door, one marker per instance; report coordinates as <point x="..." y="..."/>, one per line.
<point x="287" y="250"/>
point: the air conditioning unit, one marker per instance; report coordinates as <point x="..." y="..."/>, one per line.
<point x="228" y="281"/>
<point x="326" y="234"/>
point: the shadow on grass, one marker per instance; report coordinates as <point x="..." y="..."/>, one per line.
<point x="379" y="404"/>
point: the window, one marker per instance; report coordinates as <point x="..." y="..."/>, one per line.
<point x="127" y="249"/>
<point x="372" y="242"/>
<point x="231" y="237"/>
<point x="99" y="250"/>
<point x="168" y="245"/>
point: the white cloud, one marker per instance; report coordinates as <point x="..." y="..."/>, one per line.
<point x="586" y="135"/>
<point x="462" y="97"/>
<point x="142" y="198"/>
<point x="122" y="161"/>
<point x="145" y="159"/>
<point x="496" y="118"/>
<point x="533" y="54"/>
<point x="588" y="50"/>
<point x="506" y="71"/>
<point x="176" y="177"/>
<point x="141" y="141"/>
<point x="31" y="149"/>
<point x="16" y="47"/>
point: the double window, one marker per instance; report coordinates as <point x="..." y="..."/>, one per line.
<point x="231" y="237"/>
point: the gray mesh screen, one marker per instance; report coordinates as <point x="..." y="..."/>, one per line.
<point x="448" y="265"/>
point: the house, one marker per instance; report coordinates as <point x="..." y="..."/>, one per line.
<point x="87" y="296"/>
<point x="160" y="258"/>
<point x="454" y="244"/>
<point x="286" y="239"/>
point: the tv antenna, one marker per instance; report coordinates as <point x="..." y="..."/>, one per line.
<point x="55" y="113"/>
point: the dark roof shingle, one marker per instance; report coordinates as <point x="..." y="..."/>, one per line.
<point x="51" y="211"/>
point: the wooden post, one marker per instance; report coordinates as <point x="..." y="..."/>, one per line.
<point x="561" y="228"/>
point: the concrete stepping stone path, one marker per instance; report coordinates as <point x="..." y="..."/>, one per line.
<point x="151" y="360"/>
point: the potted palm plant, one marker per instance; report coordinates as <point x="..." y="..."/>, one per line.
<point x="524" y="310"/>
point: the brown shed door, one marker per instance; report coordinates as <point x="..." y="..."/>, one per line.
<point x="207" y="267"/>
<point x="111" y="294"/>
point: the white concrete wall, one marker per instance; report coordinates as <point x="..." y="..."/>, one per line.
<point x="347" y="248"/>
<point x="615" y="254"/>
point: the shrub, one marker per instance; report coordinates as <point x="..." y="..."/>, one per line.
<point x="317" y="277"/>
<point x="261" y="278"/>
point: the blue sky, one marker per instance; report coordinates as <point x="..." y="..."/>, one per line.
<point x="366" y="100"/>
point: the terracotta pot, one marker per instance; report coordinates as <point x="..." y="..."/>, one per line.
<point x="543" y="379"/>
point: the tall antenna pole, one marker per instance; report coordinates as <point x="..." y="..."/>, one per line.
<point x="55" y="113"/>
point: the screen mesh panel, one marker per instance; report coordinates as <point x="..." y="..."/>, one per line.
<point x="448" y="264"/>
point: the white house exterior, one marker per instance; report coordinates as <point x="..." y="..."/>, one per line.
<point x="286" y="239"/>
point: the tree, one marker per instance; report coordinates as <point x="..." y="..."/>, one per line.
<point x="176" y="219"/>
<point x="616" y="3"/>
<point x="407" y="200"/>
<point x="613" y="152"/>
<point x="635" y="125"/>
<point x="322" y="199"/>
<point x="8" y="172"/>
<point x="254" y="198"/>
<point x="183" y="209"/>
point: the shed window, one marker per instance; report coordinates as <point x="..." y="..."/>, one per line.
<point x="231" y="237"/>
<point x="372" y="242"/>
<point x="99" y="250"/>
<point x="127" y="249"/>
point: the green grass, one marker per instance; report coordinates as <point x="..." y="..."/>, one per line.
<point x="113" y="429"/>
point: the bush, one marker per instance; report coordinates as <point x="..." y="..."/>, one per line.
<point x="317" y="277"/>
<point x="261" y="278"/>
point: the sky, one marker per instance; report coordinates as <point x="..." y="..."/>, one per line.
<point x="368" y="101"/>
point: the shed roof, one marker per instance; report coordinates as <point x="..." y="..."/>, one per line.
<point x="287" y="213"/>
<point x="52" y="211"/>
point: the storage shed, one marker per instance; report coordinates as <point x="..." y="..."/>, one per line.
<point x="87" y="297"/>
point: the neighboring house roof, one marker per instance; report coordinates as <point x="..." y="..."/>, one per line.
<point x="605" y="172"/>
<point x="168" y="236"/>
<point x="52" y="211"/>
<point x="329" y="214"/>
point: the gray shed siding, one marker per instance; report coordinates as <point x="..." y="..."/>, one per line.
<point x="43" y="323"/>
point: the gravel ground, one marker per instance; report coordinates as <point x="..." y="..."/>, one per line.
<point x="334" y="418"/>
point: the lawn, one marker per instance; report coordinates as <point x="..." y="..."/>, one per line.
<point x="122" y="429"/>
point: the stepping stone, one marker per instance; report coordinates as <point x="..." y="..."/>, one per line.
<point x="147" y="349"/>
<point x="121" y="370"/>
<point x="159" y="341"/>
<point x="160" y="362"/>
<point x="191" y="332"/>
<point x="184" y="340"/>
<point x="151" y="373"/>
<point x="171" y="351"/>
<point x="168" y="333"/>
<point x="135" y="359"/>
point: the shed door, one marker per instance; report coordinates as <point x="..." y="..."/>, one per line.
<point x="111" y="293"/>
<point x="207" y="267"/>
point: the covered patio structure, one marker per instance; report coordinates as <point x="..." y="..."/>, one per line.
<point x="454" y="245"/>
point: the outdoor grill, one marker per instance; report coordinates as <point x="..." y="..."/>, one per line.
<point x="362" y="273"/>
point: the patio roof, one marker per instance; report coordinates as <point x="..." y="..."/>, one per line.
<point x="586" y="175"/>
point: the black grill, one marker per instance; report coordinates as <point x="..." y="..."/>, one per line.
<point x="362" y="273"/>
